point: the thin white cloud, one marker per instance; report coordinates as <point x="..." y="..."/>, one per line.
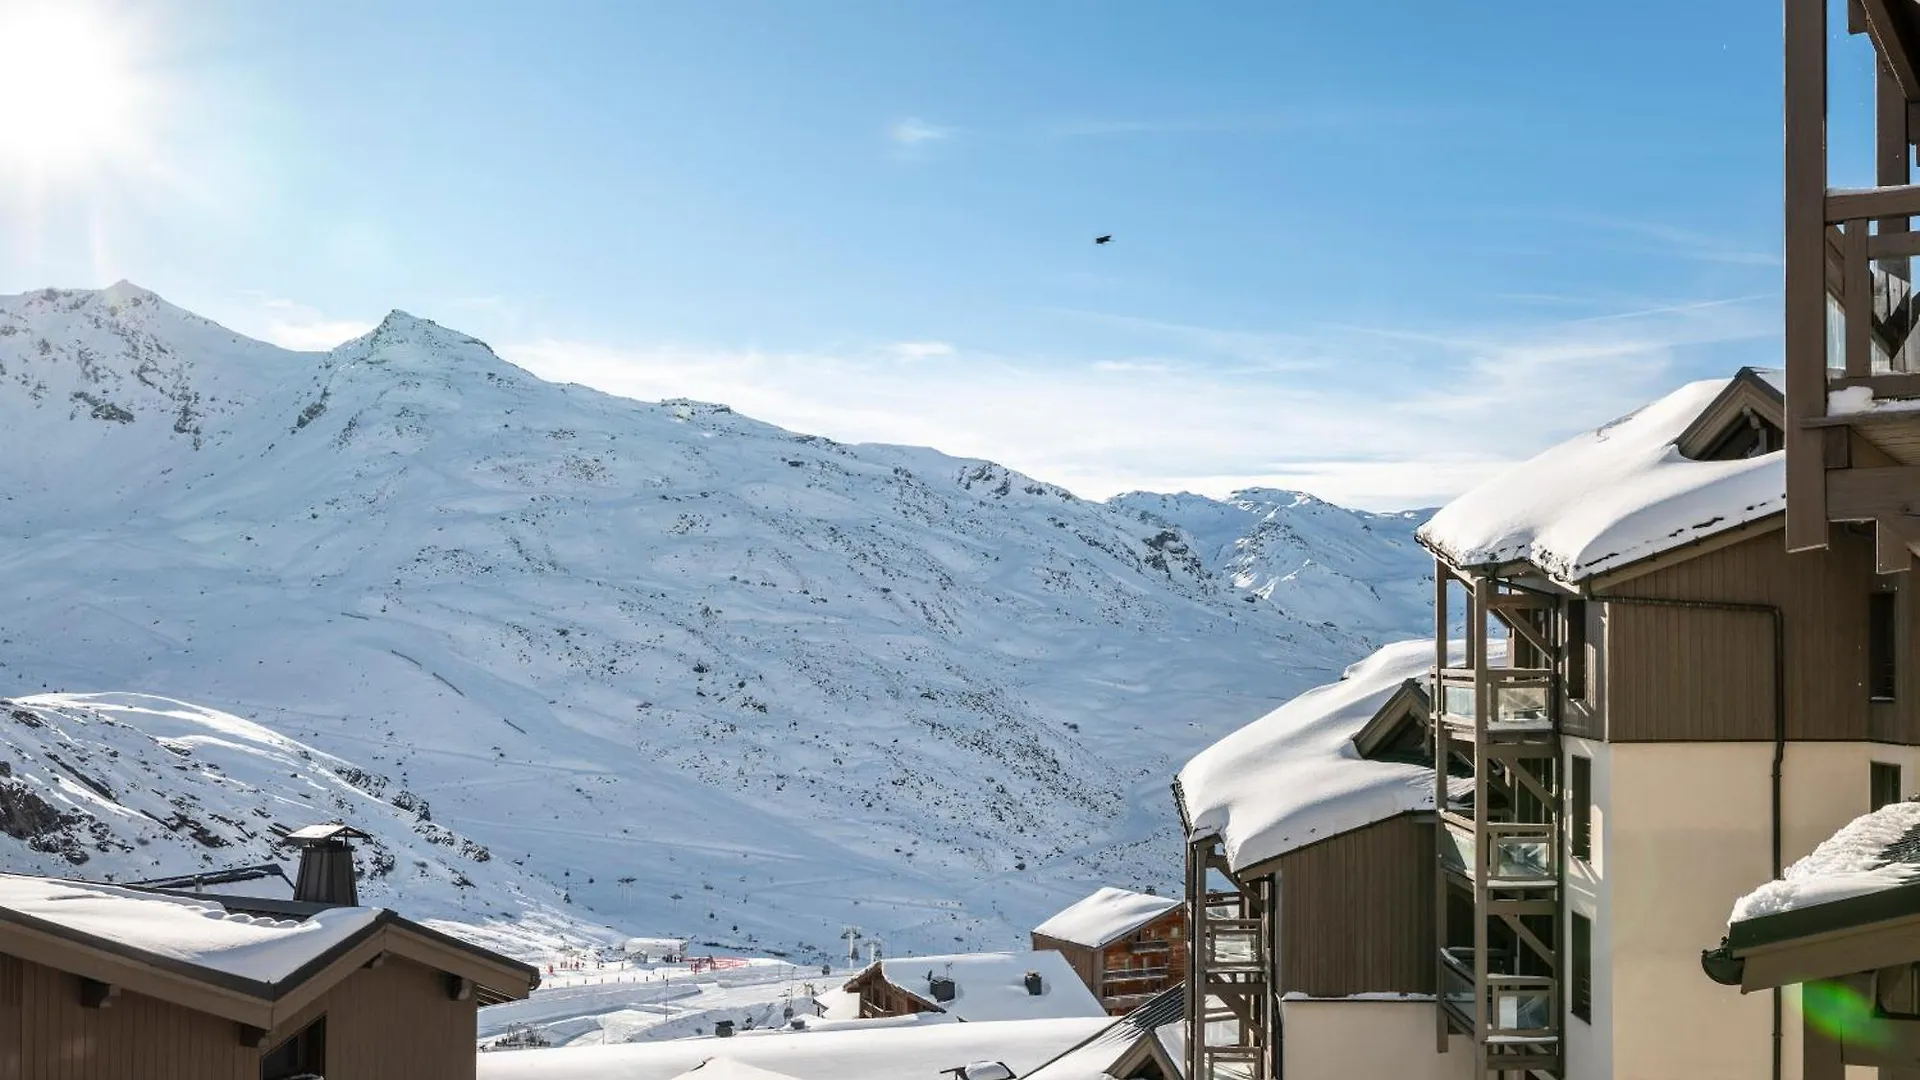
<point x="1407" y="419"/>
<point x="922" y="350"/>
<point x="291" y="325"/>
<point x="913" y="132"/>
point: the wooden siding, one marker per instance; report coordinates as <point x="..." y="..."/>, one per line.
<point x="1683" y="674"/>
<point x="393" y="1022"/>
<point x="1356" y="912"/>
<point x="1084" y="961"/>
<point x="878" y="997"/>
<point x="1586" y="715"/>
<point x="1107" y="971"/>
<point x="49" y="1035"/>
<point x="1143" y="963"/>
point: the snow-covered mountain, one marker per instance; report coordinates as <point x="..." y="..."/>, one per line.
<point x="1360" y="572"/>
<point x="132" y="787"/>
<point x="703" y="676"/>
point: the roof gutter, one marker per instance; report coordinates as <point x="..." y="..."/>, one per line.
<point x="1720" y="962"/>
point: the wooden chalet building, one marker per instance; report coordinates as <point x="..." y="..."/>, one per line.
<point x="1126" y="946"/>
<point x="1309" y="885"/>
<point x="102" y="981"/>
<point x="974" y="986"/>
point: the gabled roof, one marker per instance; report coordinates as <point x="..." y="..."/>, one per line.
<point x="239" y="880"/>
<point x="909" y="1052"/>
<point x="989" y="986"/>
<point x="1125" y="1045"/>
<point x="1613" y="496"/>
<point x="1406" y="706"/>
<point x="333" y="830"/>
<point x="1107" y="915"/>
<point x="1295" y="777"/>
<point x="251" y="960"/>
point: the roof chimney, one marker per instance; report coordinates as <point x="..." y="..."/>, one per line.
<point x="326" y="865"/>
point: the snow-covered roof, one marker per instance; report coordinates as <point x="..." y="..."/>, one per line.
<point x="992" y="986"/>
<point x="192" y="931"/>
<point x="1878" y="851"/>
<point x="1293" y="776"/>
<point x="912" y="1052"/>
<point x="653" y="945"/>
<point x="726" y="1068"/>
<point x="838" y="1003"/>
<point x="1091" y="1059"/>
<point x="1612" y="496"/>
<point x="1107" y="915"/>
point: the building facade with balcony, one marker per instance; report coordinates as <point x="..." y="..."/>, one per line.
<point x="1640" y="704"/>
<point x="1128" y="947"/>
<point x="1310" y="846"/>
<point x="1658" y="705"/>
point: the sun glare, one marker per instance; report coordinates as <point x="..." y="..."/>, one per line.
<point x="73" y="97"/>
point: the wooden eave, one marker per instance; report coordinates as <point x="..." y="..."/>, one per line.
<point x="1407" y="704"/>
<point x="1597" y="585"/>
<point x="1747" y="390"/>
<point x="1270" y="866"/>
<point x="1894" y="26"/>
<point x="258" y="1003"/>
<point x="1148" y="1048"/>
<point x="1828" y="941"/>
<point x="873" y="972"/>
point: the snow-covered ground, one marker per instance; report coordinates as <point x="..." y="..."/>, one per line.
<point x="677" y="671"/>
<point x="627" y="1002"/>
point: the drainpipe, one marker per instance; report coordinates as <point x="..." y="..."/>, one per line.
<point x="1779" y="736"/>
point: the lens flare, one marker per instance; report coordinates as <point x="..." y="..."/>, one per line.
<point x="74" y="98"/>
<point x="1842" y="1013"/>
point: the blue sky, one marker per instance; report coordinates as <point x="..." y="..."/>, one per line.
<point x="1372" y="251"/>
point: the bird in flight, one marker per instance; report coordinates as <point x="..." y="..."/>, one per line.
<point x="1103" y="239"/>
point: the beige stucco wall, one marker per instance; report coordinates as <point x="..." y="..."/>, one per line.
<point x="1682" y="830"/>
<point x="1589" y="1043"/>
<point x="1340" y="1039"/>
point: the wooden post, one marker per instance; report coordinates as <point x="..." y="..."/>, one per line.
<point x="1482" y="704"/>
<point x="1821" y="1056"/>
<point x="1857" y="273"/>
<point x="1439" y="738"/>
<point x="1806" y="294"/>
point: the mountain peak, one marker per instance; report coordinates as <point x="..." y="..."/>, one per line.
<point x="402" y="329"/>
<point x="126" y="292"/>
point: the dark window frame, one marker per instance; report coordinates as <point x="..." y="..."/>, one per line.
<point x="1580" y="987"/>
<point x="1580" y="807"/>
<point x="1883" y="783"/>
<point x="1576" y="648"/>
<point x="1883" y="645"/>
<point x="303" y="1053"/>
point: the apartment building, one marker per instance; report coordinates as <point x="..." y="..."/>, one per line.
<point x="1654" y="706"/>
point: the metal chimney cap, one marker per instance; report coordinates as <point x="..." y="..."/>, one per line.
<point x="334" y="830"/>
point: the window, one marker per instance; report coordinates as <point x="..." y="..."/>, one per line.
<point x="1580" y="989"/>
<point x="1580" y="808"/>
<point x="1883" y="658"/>
<point x="1577" y="649"/>
<point x="1884" y="784"/>
<point x="303" y="1055"/>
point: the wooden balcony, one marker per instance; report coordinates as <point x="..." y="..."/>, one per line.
<point x="1852" y="353"/>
